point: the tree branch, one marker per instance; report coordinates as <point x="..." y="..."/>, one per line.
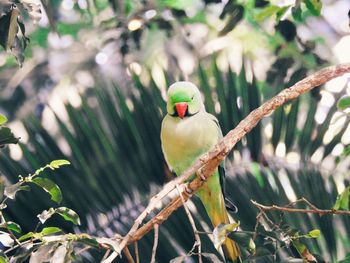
<point x="207" y="163"/>
<point x="314" y="210"/>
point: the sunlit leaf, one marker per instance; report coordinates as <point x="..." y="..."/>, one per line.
<point x="57" y="163"/>
<point x="3" y="119"/>
<point x="60" y="254"/>
<point x="111" y="243"/>
<point x="178" y="4"/>
<point x="3" y="259"/>
<point x="50" y="187"/>
<point x="50" y="230"/>
<point x="267" y="12"/>
<point x="44" y="253"/>
<point x="5" y="239"/>
<point x="11" y="190"/>
<point x="26" y="236"/>
<point x="46" y="214"/>
<point x="314" y="233"/>
<point x="342" y="201"/>
<point x="221" y="231"/>
<point x="69" y="215"/>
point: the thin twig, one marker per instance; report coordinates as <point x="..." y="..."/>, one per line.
<point x="155" y="244"/>
<point x="198" y="242"/>
<point x="105" y="256"/>
<point x="128" y="255"/>
<point x="315" y="210"/>
<point x="137" y="252"/>
<point x="209" y="161"/>
<point x="303" y="199"/>
<point x="261" y="212"/>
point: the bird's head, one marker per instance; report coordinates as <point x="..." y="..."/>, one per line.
<point x="184" y="99"/>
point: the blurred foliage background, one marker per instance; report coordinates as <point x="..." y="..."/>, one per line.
<point x="91" y="89"/>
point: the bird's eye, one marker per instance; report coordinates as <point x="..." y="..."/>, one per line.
<point x="192" y="97"/>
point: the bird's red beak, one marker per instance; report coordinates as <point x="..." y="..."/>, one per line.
<point x="181" y="108"/>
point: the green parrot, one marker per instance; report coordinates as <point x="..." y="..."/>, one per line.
<point x="187" y="132"/>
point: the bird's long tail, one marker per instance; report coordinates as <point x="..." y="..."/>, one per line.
<point x="213" y="201"/>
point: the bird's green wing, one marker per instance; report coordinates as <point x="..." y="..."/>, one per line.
<point x="230" y="206"/>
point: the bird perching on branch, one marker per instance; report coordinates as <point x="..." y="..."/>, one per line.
<point x="188" y="132"/>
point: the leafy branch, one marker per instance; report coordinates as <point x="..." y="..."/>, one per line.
<point x="205" y="165"/>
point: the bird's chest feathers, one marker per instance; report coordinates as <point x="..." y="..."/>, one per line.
<point x="186" y="139"/>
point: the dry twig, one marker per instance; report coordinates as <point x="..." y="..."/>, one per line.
<point x="198" y="242"/>
<point x="128" y="255"/>
<point x="314" y="209"/>
<point x="137" y="252"/>
<point x="206" y="164"/>
<point x="155" y="244"/>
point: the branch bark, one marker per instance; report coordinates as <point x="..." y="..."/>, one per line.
<point x="207" y="163"/>
<point x="314" y="210"/>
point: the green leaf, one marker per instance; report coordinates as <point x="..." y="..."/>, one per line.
<point x="7" y="137"/>
<point x="88" y="240"/>
<point x="297" y="13"/>
<point x="14" y="227"/>
<point x="26" y="236"/>
<point x="267" y="12"/>
<point x="343" y="103"/>
<point x="3" y="119"/>
<point x="280" y="13"/>
<point x="46" y="214"/>
<point x="50" y="230"/>
<point x="346" y="259"/>
<point x="57" y="163"/>
<point x="314" y="233"/>
<point x="68" y="215"/>
<point x="303" y="251"/>
<point x="3" y="259"/>
<point x="244" y="240"/>
<point x="50" y="187"/>
<point x="314" y="6"/>
<point x="342" y="201"/>
<point x="178" y="4"/>
<point x="221" y="231"/>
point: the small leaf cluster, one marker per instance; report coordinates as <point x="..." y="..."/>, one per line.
<point x="44" y="243"/>
<point x="6" y="135"/>
<point x="12" y="29"/>
<point x="343" y="106"/>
